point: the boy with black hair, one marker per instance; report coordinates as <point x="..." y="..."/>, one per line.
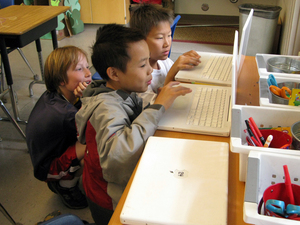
<point x="112" y="122"/>
<point x="155" y="23"/>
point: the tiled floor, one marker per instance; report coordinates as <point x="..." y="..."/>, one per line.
<point x="27" y="199"/>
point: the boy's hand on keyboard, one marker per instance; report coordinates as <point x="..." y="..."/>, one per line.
<point x="169" y="93"/>
<point x="187" y="60"/>
<point x="192" y="53"/>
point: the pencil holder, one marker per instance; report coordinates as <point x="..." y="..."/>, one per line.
<point x="280" y="139"/>
<point x="295" y="129"/>
<point x="279" y="100"/>
<point x="282" y="199"/>
<point x="278" y="191"/>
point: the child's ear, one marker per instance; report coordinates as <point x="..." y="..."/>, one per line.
<point x="62" y="83"/>
<point x="112" y="73"/>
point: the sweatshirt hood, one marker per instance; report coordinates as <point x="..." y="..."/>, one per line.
<point x="92" y="97"/>
<point x="95" y="88"/>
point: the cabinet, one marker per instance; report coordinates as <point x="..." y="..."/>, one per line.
<point x="105" y="11"/>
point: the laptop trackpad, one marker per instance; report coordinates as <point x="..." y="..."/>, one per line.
<point x="181" y="102"/>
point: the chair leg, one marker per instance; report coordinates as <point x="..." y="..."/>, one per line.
<point x="6" y="214"/>
<point x="12" y="119"/>
<point x="35" y="76"/>
<point x="2" y="81"/>
<point x="1" y="78"/>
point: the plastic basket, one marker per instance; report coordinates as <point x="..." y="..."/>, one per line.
<point x="268" y="99"/>
<point x="261" y="61"/>
<point x="266" y="169"/>
<point x="263" y="117"/>
<point x="279" y="100"/>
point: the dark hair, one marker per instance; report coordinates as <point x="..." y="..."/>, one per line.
<point x="147" y="16"/>
<point x="111" y="47"/>
<point x="58" y="63"/>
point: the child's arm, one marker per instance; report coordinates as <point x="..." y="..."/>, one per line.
<point x="79" y="89"/>
<point x="186" y="61"/>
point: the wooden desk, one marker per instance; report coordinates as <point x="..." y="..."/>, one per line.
<point x="247" y="93"/>
<point x="21" y="25"/>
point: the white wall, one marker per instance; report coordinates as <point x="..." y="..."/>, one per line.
<point x="290" y="16"/>
<point x="290" y="41"/>
<point x="216" y="7"/>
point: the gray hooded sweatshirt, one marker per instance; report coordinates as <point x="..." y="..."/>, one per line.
<point x="115" y="128"/>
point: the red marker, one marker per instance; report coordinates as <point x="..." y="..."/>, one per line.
<point x="255" y="141"/>
<point x="257" y="130"/>
<point x="253" y="134"/>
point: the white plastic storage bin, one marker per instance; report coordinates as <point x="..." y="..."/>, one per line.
<point x="265" y="93"/>
<point x="261" y="61"/>
<point x="264" y="170"/>
<point x="263" y="117"/>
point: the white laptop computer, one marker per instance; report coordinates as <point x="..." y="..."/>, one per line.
<point x="183" y="116"/>
<point x="244" y="40"/>
<point x="207" y="110"/>
<point x="181" y="182"/>
<point x="235" y="70"/>
<point x="216" y="68"/>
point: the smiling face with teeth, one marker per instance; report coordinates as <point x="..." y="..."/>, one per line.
<point x="79" y="73"/>
<point x="67" y="72"/>
<point x="78" y="78"/>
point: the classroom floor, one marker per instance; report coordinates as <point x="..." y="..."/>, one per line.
<point x="27" y="199"/>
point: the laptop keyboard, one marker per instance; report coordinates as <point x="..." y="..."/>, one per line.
<point x="218" y="68"/>
<point x="208" y="107"/>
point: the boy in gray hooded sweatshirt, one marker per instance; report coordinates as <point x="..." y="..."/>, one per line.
<point x="112" y="122"/>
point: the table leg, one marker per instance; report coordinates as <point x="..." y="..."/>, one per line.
<point x="8" y="75"/>
<point x="39" y="50"/>
<point x="54" y="39"/>
<point x="42" y="81"/>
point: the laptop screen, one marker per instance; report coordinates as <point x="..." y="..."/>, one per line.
<point x="245" y="39"/>
<point x="179" y="181"/>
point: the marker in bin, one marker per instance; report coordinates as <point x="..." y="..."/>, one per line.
<point x="249" y="140"/>
<point x="253" y="135"/>
<point x="268" y="141"/>
<point x="257" y="130"/>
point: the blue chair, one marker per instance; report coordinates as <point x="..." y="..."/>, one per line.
<point x="5" y="3"/>
<point x="173" y="27"/>
<point x="96" y="75"/>
<point x="64" y="219"/>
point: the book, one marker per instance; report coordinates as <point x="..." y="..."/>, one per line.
<point x="295" y="97"/>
